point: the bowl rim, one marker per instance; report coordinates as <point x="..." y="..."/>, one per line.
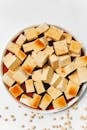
<point x="69" y="104"/>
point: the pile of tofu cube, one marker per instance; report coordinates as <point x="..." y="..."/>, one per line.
<point x="45" y="56"/>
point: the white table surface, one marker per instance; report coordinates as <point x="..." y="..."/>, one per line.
<point x="18" y="14"/>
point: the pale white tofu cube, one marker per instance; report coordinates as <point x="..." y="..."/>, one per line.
<point x="36" y="75"/>
<point x="28" y="46"/>
<point x="53" y="60"/>
<point x="20" y="76"/>
<point x="8" y="78"/>
<point x="54" y="33"/>
<point x="56" y="79"/>
<point x="42" y="28"/>
<point x="54" y="92"/>
<point x="64" y="60"/>
<point x="11" y="61"/>
<point x="29" y="86"/>
<point x="39" y="87"/>
<point x="47" y="74"/>
<point x="41" y="58"/>
<point x="21" y="40"/>
<point x="60" y="47"/>
<point x="46" y="100"/>
<point x="82" y="74"/>
<point x="30" y="33"/>
<point x="49" y="50"/>
<point x="25" y="99"/>
<point x="63" y="84"/>
<point x="12" y="47"/>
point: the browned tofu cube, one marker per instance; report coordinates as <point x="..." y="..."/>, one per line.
<point x="21" y="55"/>
<point x="20" y="76"/>
<point x="8" y="78"/>
<point x="54" y="92"/>
<point x="11" y="61"/>
<point x="46" y="100"/>
<point x="21" y="40"/>
<point x="64" y="60"/>
<point x="54" y="33"/>
<point x="29" y="86"/>
<point x="36" y="75"/>
<point x="25" y="99"/>
<point x="81" y="61"/>
<point x="30" y="33"/>
<point x="74" y="77"/>
<point x="71" y="90"/>
<point x="56" y="79"/>
<point x="41" y="58"/>
<point x="35" y="101"/>
<point x="29" y="65"/>
<point x="16" y="90"/>
<point x="12" y="47"/>
<point x="68" y="37"/>
<point x="39" y="44"/>
<point x="53" y="60"/>
<point x="82" y="74"/>
<point x="42" y="28"/>
<point x="75" y="47"/>
<point x="59" y="103"/>
<point x="39" y="87"/>
<point x="62" y="85"/>
<point x="60" y="47"/>
<point x="47" y="74"/>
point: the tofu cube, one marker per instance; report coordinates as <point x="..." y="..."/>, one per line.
<point x="41" y="59"/>
<point x="47" y="74"/>
<point x="54" y="33"/>
<point x="82" y="74"/>
<point x="64" y="60"/>
<point x="28" y="46"/>
<point x="35" y="101"/>
<point x="56" y="79"/>
<point x="21" y="55"/>
<point x="29" y="65"/>
<point x="39" y="44"/>
<point x="46" y="100"/>
<point x="54" y="92"/>
<point x="75" y="47"/>
<point x="16" y="90"/>
<point x="20" y="76"/>
<point x="25" y="99"/>
<point x="59" y="103"/>
<point x="42" y="28"/>
<point x="12" y="47"/>
<point x="11" y="61"/>
<point x="74" y="77"/>
<point x="30" y="33"/>
<point x="8" y="78"/>
<point x="53" y="60"/>
<point x="60" y="47"/>
<point x="81" y="61"/>
<point x="71" y="90"/>
<point x="29" y="86"/>
<point x="36" y="75"/>
<point x="49" y="50"/>
<point x="62" y="85"/>
<point x="21" y="40"/>
<point x="39" y="87"/>
<point x="68" y="37"/>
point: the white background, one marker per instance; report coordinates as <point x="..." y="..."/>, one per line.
<point x="18" y="14"/>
